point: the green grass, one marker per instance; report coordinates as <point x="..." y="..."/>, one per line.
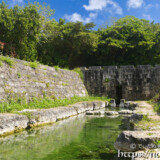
<point x="19" y="75"/>
<point x="156" y="107"/>
<point x="47" y="85"/>
<point x="78" y="70"/>
<point x="7" y="60"/>
<point x="146" y="118"/>
<point x="43" y="103"/>
<point x="1" y="64"/>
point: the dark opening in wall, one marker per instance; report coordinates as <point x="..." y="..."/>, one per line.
<point x="118" y="94"/>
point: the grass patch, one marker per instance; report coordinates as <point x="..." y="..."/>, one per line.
<point x="28" y="76"/>
<point x="78" y="70"/>
<point x="19" y="75"/>
<point x="146" y="118"/>
<point x="43" y="103"/>
<point x="146" y="123"/>
<point x="1" y="64"/>
<point x="47" y="85"/>
<point x="7" y="60"/>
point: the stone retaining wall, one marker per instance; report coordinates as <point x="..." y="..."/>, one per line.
<point x="10" y="123"/>
<point x="126" y="82"/>
<point x="21" y="80"/>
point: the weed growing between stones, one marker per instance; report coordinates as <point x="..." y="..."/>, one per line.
<point x="14" y="105"/>
<point x="19" y="75"/>
<point x="146" y="118"/>
<point x="47" y="85"/>
<point x="155" y="101"/>
<point x="106" y="80"/>
<point x="157" y="142"/>
<point x="33" y="65"/>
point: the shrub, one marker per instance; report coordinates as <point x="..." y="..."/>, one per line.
<point x="7" y="60"/>
<point x="34" y="65"/>
<point x="56" y="68"/>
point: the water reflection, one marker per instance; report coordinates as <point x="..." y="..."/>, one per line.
<point x="80" y="137"/>
<point x="38" y="143"/>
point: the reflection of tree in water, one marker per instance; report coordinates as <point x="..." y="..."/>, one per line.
<point x="75" y="138"/>
<point x="41" y="142"/>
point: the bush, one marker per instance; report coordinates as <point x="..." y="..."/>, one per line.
<point x="56" y="68"/>
<point x="7" y="60"/>
<point x="34" y="65"/>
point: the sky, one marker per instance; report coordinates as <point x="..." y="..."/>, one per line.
<point x="101" y="12"/>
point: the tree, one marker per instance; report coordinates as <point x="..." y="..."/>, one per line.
<point x="128" y="41"/>
<point x="68" y="44"/>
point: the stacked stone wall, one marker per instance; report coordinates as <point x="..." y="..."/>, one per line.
<point x="133" y="83"/>
<point x="21" y="80"/>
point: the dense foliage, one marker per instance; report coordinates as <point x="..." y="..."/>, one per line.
<point x="31" y="34"/>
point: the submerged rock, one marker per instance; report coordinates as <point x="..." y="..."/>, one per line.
<point x="95" y="112"/>
<point x="110" y="113"/>
<point x="136" y="117"/>
<point x="126" y="112"/>
<point x="131" y="141"/>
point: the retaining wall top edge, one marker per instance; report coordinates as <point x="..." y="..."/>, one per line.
<point x="121" y="67"/>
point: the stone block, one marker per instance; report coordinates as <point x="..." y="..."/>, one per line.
<point x="122" y="101"/>
<point x="144" y="66"/>
<point x="111" y="113"/>
<point x="126" y="140"/>
<point x="83" y="68"/>
<point x="113" y="103"/>
<point x="109" y="68"/>
<point x="95" y="68"/>
<point x="106" y="104"/>
<point x="127" y="67"/>
<point x="126" y="112"/>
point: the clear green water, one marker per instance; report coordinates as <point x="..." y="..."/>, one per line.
<point x="80" y="137"/>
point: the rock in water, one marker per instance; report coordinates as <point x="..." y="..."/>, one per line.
<point x="131" y="141"/>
